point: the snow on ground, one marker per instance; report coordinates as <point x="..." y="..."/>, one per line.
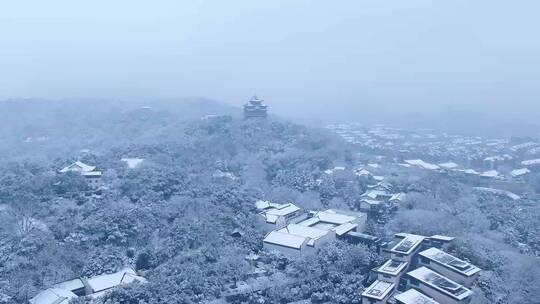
<point x="499" y="192"/>
<point x="132" y="163"/>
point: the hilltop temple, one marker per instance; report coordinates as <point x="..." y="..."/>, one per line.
<point x="255" y="108"/>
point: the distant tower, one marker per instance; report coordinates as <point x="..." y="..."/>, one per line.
<point x="255" y="108"/>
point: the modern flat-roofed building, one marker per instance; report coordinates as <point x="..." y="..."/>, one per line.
<point x="391" y="271"/>
<point x="413" y="296"/>
<point x="378" y="293"/>
<point x="407" y="247"/>
<point x="449" y="266"/>
<point x="279" y="215"/>
<point x="437" y="286"/>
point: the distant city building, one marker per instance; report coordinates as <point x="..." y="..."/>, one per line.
<point x="255" y="108"/>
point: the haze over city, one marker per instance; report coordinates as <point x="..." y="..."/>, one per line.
<point x="362" y="58"/>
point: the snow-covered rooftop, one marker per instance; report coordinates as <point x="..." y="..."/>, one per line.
<point x="378" y="290"/>
<point x="422" y="164"/>
<point x="519" y="172"/>
<point x="285" y="239"/>
<point x="53" y="296"/>
<point x="408" y="243"/>
<point x="392" y="267"/>
<point x="440" y="283"/>
<point x="78" y="166"/>
<point x="448" y="165"/>
<point x="531" y="162"/>
<point x="108" y="281"/>
<point x="499" y="192"/>
<point x="413" y="296"/>
<point x="450" y="261"/>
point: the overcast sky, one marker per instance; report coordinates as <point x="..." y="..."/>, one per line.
<point x="301" y="56"/>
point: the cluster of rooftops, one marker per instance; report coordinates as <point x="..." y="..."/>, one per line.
<point x="299" y="231"/>
<point x="418" y="270"/>
<point x="62" y="293"/>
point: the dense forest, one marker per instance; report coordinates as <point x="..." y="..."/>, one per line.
<point x="172" y="217"/>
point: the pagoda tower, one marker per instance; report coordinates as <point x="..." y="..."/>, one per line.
<point x="255" y="108"/>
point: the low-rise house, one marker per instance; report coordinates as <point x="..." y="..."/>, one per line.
<point x="517" y="173"/>
<point x="413" y="296"/>
<point x="377" y="195"/>
<point x="62" y="293"/>
<point x="90" y="173"/>
<point x="397" y="198"/>
<point x="378" y="293"/>
<point x="446" y="264"/>
<point x="437" y="286"/>
<point x="279" y="215"/>
<point x="391" y="271"/>
<point x="422" y="164"/>
<point x="406" y="247"/>
<point x="532" y="164"/>
<point x="370" y="205"/>
<point x="490" y="174"/>
<point x="320" y="228"/>
<point x="448" y="165"/>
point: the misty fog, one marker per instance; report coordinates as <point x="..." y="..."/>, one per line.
<point x="269" y="152"/>
<point x="365" y="59"/>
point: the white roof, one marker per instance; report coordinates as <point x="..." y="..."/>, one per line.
<point x="422" y="164"/>
<point x="519" y="172"/>
<point x="448" y="165"/>
<point x="108" y="281"/>
<point x="450" y="261"/>
<point x="304" y="231"/>
<point x="260" y="204"/>
<point x="440" y="283"/>
<point x="499" y="192"/>
<point x="70" y="285"/>
<point x="392" y="267"/>
<point x="362" y="172"/>
<point x="285" y="239"/>
<point x="283" y="210"/>
<point x="442" y="237"/>
<point x="53" y="296"/>
<point x="531" y="162"/>
<point x="468" y="171"/>
<point x="342" y="229"/>
<point x="378" y="290"/>
<point x="412" y="296"/>
<point x="490" y="173"/>
<point x="523" y="146"/>
<point x="335" y="217"/>
<point x="79" y="167"/>
<point x="375" y="193"/>
<point x="408" y="243"/>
